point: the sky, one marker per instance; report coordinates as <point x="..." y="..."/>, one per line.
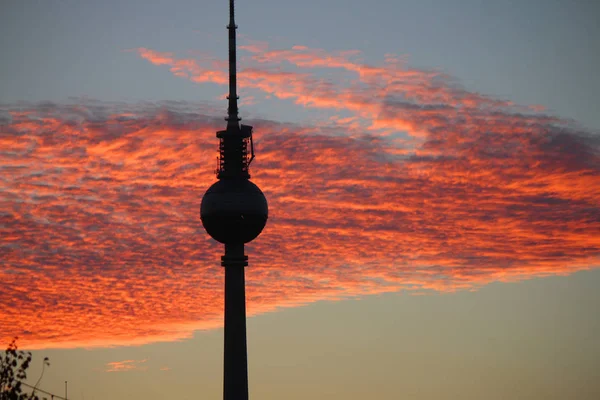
<point x="433" y="176"/>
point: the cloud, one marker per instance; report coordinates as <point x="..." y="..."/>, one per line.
<point x="126" y="365"/>
<point x="429" y="188"/>
<point x="355" y="87"/>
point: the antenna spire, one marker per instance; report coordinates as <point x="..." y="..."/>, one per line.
<point x="232" y="110"/>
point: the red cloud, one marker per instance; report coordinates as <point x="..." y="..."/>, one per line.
<point x="102" y="243"/>
<point x="370" y="87"/>
<point x="126" y="365"/>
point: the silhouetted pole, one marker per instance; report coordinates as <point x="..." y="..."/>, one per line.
<point x="66" y="390"/>
<point x="234" y="211"/>
<point x="235" y="365"/>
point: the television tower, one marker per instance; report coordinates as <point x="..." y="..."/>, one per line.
<point x="234" y="211"/>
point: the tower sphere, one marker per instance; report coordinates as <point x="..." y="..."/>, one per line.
<point x="234" y="211"/>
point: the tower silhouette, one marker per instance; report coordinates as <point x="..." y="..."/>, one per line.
<point x="234" y="211"/>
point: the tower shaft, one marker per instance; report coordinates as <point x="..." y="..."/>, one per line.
<point x="235" y="363"/>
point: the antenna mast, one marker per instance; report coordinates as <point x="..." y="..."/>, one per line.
<point x="232" y="110"/>
<point x="236" y="148"/>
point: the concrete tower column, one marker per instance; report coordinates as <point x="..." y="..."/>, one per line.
<point x="235" y="362"/>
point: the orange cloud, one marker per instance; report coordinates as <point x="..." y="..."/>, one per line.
<point x="370" y="86"/>
<point x="126" y="365"/>
<point x="102" y="243"/>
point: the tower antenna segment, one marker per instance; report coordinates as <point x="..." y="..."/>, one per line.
<point x="234" y="212"/>
<point x="232" y="111"/>
<point x="236" y="148"/>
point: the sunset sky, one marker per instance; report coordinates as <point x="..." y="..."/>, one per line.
<point x="433" y="175"/>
